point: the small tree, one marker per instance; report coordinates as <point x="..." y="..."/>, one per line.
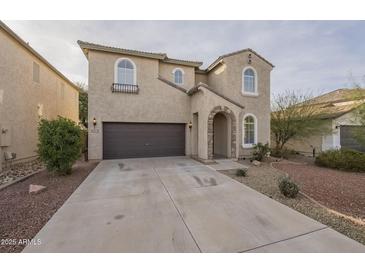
<point x="83" y="101"/>
<point x="294" y="116"/>
<point x="358" y="96"/>
<point x="59" y="144"/>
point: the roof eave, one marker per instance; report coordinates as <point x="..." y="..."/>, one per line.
<point x="36" y="54"/>
<point x="195" y="64"/>
<point x="96" y="47"/>
<point x="219" y="60"/>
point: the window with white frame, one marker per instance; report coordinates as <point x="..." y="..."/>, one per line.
<point x="249" y="130"/>
<point x="249" y="81"/>
<point x="178" y="76"/>
<point x="125" y="72"/>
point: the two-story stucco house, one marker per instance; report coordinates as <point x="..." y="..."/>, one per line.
<point x="144" y="104"/>
<point x="30" y="89"/>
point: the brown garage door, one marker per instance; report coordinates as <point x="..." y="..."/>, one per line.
<point x="136" y="140"/>
<point x="348" y="138"/>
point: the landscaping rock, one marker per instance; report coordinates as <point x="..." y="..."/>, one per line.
<point x="35" y="189"/>
<point x="256" y="163"/>
<point x="20" y="170"/>
<point x="22" y="215"/>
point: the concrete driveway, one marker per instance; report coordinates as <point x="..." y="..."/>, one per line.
<point x="176" y="204"/>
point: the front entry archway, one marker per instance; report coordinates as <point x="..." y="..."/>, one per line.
<point x="220" y="136"/>
<point x="221" y="120"/>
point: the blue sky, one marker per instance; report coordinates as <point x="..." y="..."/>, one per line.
<point x="309" y="56"/>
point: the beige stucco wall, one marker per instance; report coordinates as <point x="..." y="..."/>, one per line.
<point x="201" y="78"/>
<point x="166" y="69"/>
<point x="22" y="100"/>
<point x="227" y="79"/>
<point x="159" y="102"/>
<point x="305" y="146"/>
<point x="155" y="102"/>
<point x="203" y="102"/>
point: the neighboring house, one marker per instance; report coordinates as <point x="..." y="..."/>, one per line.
<point x="30" y="89"/>
<point x="338" y="108"/>
<point x="144" y="104"/>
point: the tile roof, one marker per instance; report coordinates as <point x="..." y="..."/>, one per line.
<point x="85" y="46"/>
<point x="197" y="87"/>
<point x="338" y="102"/>
<point x="171" y="84"/>
<point x="220" y="58"/>
<point x="339" y="95"/>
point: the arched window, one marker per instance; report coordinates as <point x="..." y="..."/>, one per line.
<point x="178" y="76"/>
<point x="125" y="72"/>
<point x="249" y="81"/>
<point x="249" y="130"/>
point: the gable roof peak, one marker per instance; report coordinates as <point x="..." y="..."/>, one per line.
<point x="220" y="58"/>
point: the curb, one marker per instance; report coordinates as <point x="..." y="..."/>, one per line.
<point x="20" y="179"/>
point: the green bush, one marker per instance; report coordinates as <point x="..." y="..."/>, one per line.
<point x="288" y="188"/>
<point x="241" y="172"/>
<point x="343" y="159"/>
<point x="59" y="144"/>
<point x="84" y="144"/>
<point x="260" y="151"/>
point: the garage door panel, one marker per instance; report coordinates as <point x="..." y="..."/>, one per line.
<point x="134" y="140"/>
<point x="348" y="137"/>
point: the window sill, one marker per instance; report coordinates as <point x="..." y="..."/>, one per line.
<point x="248" y="145"/>
<point x="250" y="94"/>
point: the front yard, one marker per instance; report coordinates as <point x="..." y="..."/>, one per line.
<point x="264" y="179"/>
<point x="22" y="214"/>
<point x="338" y="190"/>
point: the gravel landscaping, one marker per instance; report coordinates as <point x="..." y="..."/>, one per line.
<point x="339" y="190"/>
<point x="22" y="214"/>
<point x="19" y="170"/>
<point x="264" y="179"/>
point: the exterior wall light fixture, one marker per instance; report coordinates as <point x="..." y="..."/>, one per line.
<point x="190" y="125"/>
<point x="94" y="121"/>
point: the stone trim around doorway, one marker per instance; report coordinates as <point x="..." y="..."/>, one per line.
<point x="226" y="111"/>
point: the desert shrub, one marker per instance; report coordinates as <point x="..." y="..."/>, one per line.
<point x="260" y="151"/>
<point x="288" y="188"/>
<point x="343" y="159"/>
<point x="59" y="144"/>
<point x="241" y="172"/>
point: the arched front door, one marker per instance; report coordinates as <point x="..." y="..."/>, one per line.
<point x="221" y="133"/>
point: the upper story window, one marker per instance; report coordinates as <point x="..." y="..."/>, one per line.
<point x="249" y="130"/>
<point x="125" y="72"/>
<point x="36" y="72"/>
<point x="178" y="76"/>
<point x="249" y="81"/>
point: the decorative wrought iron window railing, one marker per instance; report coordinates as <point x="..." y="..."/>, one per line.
<point x="125" y="88"/>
